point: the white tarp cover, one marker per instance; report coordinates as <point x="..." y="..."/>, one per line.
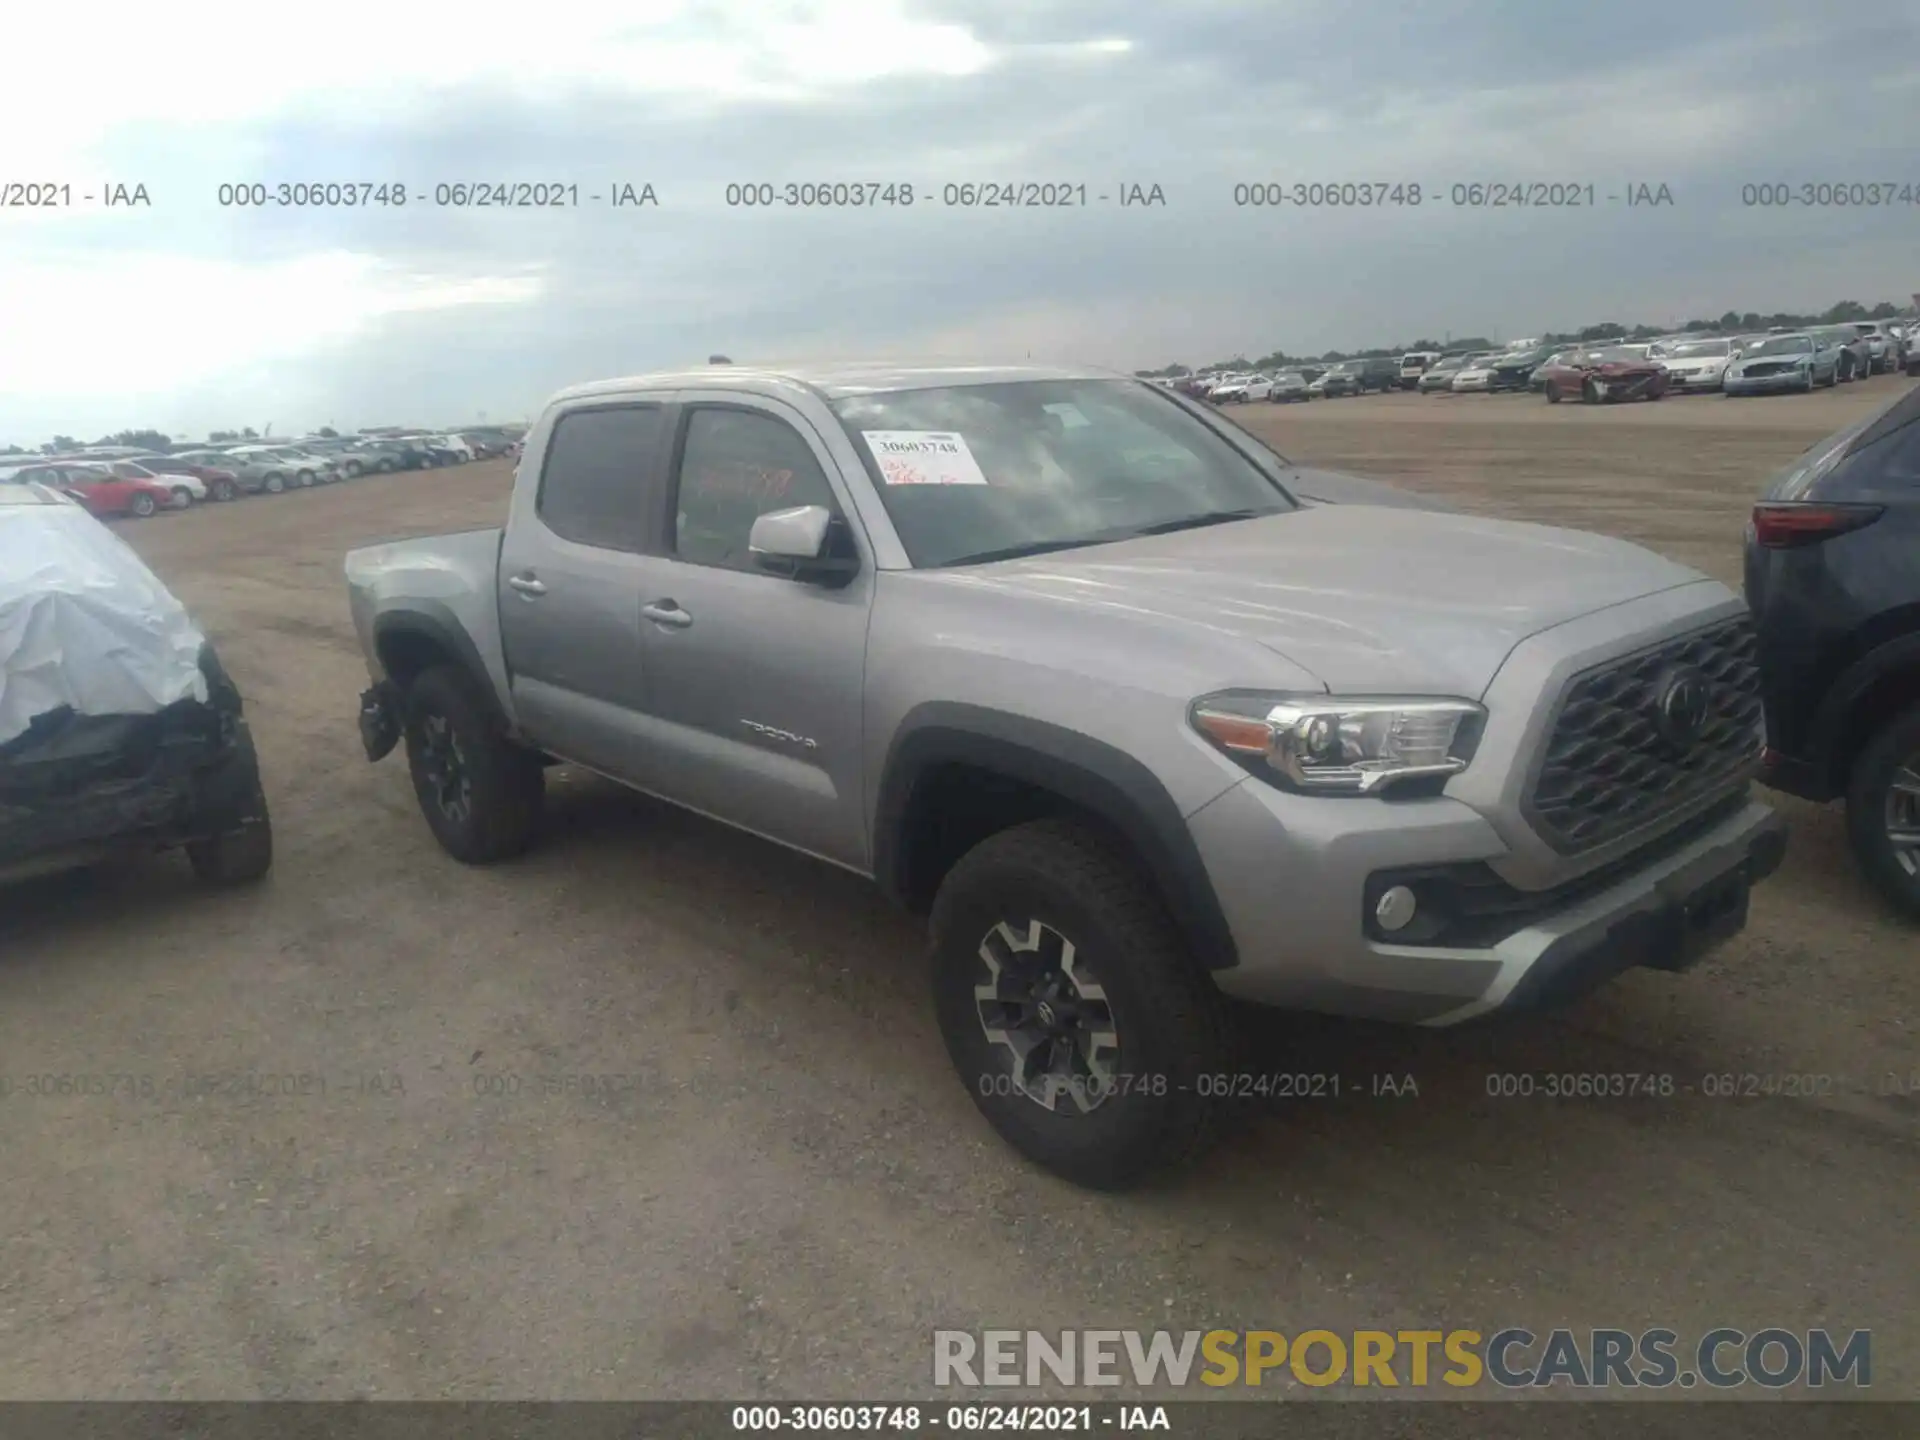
<point x="84" y="623"/>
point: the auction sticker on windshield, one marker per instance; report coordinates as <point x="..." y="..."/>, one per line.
<point x="923" y="457"/>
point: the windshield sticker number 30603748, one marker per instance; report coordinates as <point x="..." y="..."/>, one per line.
<point x="923" y="457"/>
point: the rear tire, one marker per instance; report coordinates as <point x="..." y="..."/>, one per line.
<point x="274" y="484"/>
<point x="1553" y="393"/>
<point x="183" y="497"/>
<point x="1590" y="393"/>
<point x="1148" y="1015"/>
<point x="223" y="490"/>
<point x="1882" y="798"/>
<point x="142" y="505"/>
<point x="305" y="477"/>
<point x="480" y="792"/>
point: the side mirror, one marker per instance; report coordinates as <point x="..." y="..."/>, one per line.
<point x="801" y="543"/>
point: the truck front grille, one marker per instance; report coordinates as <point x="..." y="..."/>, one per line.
<point x="1621" y="752"/>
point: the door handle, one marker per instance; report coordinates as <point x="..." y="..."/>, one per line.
<point x="667" y="612"/>
<point x="526" y="585"/>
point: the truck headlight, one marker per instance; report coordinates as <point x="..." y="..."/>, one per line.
<point x="1326" y="745"/>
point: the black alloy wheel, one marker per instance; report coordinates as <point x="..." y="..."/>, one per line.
<point x="1039" y="998"/>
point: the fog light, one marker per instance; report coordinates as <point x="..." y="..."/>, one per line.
<point x="1394" y="909"/>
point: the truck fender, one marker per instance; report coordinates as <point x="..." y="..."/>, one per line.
<point x="426" y="624"/>
<point x="1097" y="778"/>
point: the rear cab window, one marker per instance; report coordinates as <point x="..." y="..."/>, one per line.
<point x="600" y="475"/>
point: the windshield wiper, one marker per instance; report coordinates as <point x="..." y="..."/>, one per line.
<point x="1108" y="537"/>
<point x="1195" y="522"/>
<point x="1032" y="547"/>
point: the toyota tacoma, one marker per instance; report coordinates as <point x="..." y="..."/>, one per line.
<point x="1138" y="713"/>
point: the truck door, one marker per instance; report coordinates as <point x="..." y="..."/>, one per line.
<point x="569" y="582"/>
<point x="756" y="678"/>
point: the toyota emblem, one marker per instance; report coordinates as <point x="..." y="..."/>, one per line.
<point x="1680" y="705"/>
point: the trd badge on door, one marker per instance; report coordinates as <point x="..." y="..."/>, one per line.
<point x="774" y="733"/>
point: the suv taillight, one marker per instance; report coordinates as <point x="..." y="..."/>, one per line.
<point x="1789" y="524"/>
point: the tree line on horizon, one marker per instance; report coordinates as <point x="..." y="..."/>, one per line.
<point x="1732" y="321"/>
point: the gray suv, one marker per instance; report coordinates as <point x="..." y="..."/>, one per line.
<point x="1138" y="713"/>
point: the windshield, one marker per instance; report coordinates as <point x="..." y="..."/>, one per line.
<point x="1780" y="345"/>
<point x="1693" y="349"/>
<point x="978" y="472"/>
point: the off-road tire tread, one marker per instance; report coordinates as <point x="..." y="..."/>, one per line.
<point x="509" y="782"/>
<point x="1084" y="862"/>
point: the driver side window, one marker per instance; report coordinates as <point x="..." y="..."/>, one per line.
<point x="735" y="466"/>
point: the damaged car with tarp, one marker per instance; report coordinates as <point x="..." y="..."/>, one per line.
<point x="120" y="732"/>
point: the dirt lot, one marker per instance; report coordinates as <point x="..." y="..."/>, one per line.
<point x="787" y="1190"/>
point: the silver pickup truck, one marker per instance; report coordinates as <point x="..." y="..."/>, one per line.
<point x="1139" y="713"/>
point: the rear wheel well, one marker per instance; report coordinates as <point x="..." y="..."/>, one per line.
<point x="405" y="654"/>
<point x="1889" y="695"/>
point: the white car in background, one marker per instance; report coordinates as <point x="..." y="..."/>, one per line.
<point x="1414" y="364"/>
<point x="1232" y="389"/>
<point x="1699" y="364"/>
<point x="1475" y="375"/>
<point x="457" y="444"/>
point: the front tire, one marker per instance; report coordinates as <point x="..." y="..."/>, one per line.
<point x="1883" y="811"/>
<point x="239" y="857"/>
<point x="480" y="792"/>
<point x="305" y="477"/>
<point x="223" y="490"/>
<point x="1553" y="393"/>
<point x="1086" y="1034"/>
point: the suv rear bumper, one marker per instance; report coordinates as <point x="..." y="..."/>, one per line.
<point x="1298" y="912"/>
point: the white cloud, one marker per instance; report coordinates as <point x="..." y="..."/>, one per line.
<point x="143" y="327"/>
<point x="215" y="63"/>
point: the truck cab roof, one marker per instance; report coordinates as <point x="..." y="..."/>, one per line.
<point x="835" y="380"/>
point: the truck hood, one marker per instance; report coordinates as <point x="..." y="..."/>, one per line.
<point x="1368" y="599"/>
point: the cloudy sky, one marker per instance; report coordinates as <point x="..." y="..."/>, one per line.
<point x="187" y="315"/>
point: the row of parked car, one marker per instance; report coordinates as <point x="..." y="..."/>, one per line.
<point x="1781" y="360"/>
<point x="127" y="480"/>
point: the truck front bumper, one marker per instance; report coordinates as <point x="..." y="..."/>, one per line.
<point x="91" y="785"/>
<point x="1301" y="917"/>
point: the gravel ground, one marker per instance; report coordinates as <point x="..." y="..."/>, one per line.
<point x="783" y="1189"/>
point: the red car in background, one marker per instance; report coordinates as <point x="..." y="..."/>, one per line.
<point x="221" y="484"/>
<point x="102" y="493"/>
<point x="1605" y="374"/>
